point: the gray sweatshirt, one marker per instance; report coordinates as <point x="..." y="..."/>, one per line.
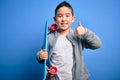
<point x="88" y="40"/>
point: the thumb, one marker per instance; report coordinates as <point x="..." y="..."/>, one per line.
<point x="79" y="24"/>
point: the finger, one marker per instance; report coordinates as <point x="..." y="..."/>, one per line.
<point x="76" y="31"/>
<point x="42" y="53"/>
<point x="45" y="56"/>
<point x="79" y="24"/>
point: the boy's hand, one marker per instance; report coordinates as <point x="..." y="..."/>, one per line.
<point x="80" y="30"/>
<point x="43" y="54"/>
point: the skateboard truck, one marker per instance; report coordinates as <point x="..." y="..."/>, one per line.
<point x="53" y="27"/>
<point x="52" y="71"/>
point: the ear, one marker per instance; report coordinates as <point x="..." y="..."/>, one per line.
<point x="73" y="19"/>
<point x="54" y="19"/>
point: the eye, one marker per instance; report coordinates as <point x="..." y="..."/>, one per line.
<point x="59" y="15"/>
<point x="67" y="15"/>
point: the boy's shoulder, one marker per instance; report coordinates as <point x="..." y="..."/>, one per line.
<point x="52" y="34"/>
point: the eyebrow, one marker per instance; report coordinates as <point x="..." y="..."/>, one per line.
<point x="65" y="13"/>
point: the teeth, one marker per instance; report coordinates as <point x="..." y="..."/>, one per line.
<point x="63" y="23"/>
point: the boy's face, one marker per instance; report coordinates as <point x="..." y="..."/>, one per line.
<point x="64" y="18"/>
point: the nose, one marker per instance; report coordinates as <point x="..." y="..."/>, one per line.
<point x="63" y="18"/>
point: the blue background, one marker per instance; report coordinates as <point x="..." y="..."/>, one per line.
<point x="22" y="25"/>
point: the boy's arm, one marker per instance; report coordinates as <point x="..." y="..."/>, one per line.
<point x="90" y="40"/>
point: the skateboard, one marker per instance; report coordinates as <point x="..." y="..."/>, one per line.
<point x="52" y="70"/>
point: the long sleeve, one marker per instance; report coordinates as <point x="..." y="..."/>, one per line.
<point x="90" y="40"/>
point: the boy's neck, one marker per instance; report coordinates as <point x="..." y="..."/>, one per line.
<point x="64" y="32"/>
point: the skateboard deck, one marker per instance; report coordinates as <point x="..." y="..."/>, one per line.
<point x="53" y="70"/>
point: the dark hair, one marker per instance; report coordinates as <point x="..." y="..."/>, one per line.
<point x="66" y="4"/>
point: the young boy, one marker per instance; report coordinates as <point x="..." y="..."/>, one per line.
<point x="65" y="46"/>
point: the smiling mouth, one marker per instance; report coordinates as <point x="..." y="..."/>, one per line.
<point x="63" y="24"/>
